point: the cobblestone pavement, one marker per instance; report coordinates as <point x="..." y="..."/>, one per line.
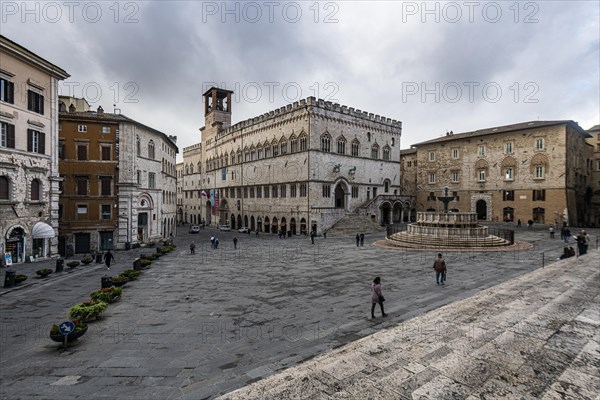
<point x="199" y="326"/>
<point x="534" y="337"/>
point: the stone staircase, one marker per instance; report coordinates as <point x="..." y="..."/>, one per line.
<point x="353" y="223"/>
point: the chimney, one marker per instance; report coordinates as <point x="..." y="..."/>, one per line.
<point x="100" y="110"/>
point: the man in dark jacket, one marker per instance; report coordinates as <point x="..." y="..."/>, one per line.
<point x="440" y="269"/>
<point x="108" y="257"/>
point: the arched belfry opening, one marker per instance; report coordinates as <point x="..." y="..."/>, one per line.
<point x="217" y="107"/>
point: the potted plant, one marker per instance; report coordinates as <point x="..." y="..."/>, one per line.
<point x="119" y="281"/>
<point x="79" y="330"/>
<point x="109" y="295"/>
<point x="88" y="310"/>
<point x="20" y="278"/>
<point x="156" y="255"/>
<point x="73" y="264"/>
<point x="130" y="274"/>
<point x="87" y="259"/>
<point x="44" y="272"/>
<point x="146" y="263"/>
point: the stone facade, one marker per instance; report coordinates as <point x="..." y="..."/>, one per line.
<point x="193" y="198"/>
<point x="143" y="193"/>
<point x="530" y="171"/>
<point x="29" y="178"/>
<point x="594" y="181"/>
<point x="301" y="167"/>
<point x="179" y="170"/>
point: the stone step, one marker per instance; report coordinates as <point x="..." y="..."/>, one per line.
<point x="407" y="240"/>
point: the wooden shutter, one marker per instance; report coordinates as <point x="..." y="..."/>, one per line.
<point x="81" y="152"/>
<point x="10" y="136"/>
<point x="29" y="140"/>
<point x="41" y="143"/>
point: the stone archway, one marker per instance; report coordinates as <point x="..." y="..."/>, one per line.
<point x="283" y="225"/>
<point x="397" y="213"/>
<point x="293" y="226"/>
<point x="223" y="212"/>
<point x="483" y="210"/>
<point x="385" y="213"/>
<point x="341" y="189"/>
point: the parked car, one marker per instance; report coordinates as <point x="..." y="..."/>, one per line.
<point x="194" y="229"/>
<point x="244" y="230"/>
<point x="225" y="228"/>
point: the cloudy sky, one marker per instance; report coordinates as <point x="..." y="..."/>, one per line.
<point x="435" y="66"/>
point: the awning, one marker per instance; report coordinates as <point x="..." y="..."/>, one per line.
<point x="42" y="230"/>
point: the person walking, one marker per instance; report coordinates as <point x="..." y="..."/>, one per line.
<point x="108" y="257"/>
<point x="312" y="237"/>
<point x="567" y="235"/>
<point x="193" y="248"/>
<point x="518" y="223"/>
<point x="216" y="243"/>
<point x="440" y="269"/>
<point x="357" y="240"/>
<point x="362" y="239"/>
<point x="212" y="242"/>
<point x="235" y="243"/>
<point x="552" y="232"/>
<point x="377" y="297"/>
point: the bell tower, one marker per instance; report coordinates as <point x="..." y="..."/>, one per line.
<point x="217" y="108"/>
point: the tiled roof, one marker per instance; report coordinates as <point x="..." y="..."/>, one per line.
<point x="594" y="128"/>
<point x="505" y="128"/>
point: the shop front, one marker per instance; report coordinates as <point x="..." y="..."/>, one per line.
<point x="14" y="245"/>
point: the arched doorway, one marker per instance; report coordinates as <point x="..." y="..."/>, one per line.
<point x="15" y="244"/>
<point x="283" y="226"/>
<point x="274" y="225"/>
<point x="232" y="223"/>
<point x="303" y="230"/>
<point x="385" y="213"/>
<point x="223" y="212"/>
<point x="239" y="221"/>
<point x="539" y="215"/>
<point x="397" y="213"/>
<point x="293" y="226"/>
<point x="267" y="224"/>
<point x="245" y="221"/>
<point x="252" y="224"/>
<point x="481" y="209"/>
<point x="340" y="195"/>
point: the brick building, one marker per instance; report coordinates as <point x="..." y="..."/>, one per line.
<point x="29" y="178"/>
<point x="119" y="180"/>
<point x="537" y="170"/>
